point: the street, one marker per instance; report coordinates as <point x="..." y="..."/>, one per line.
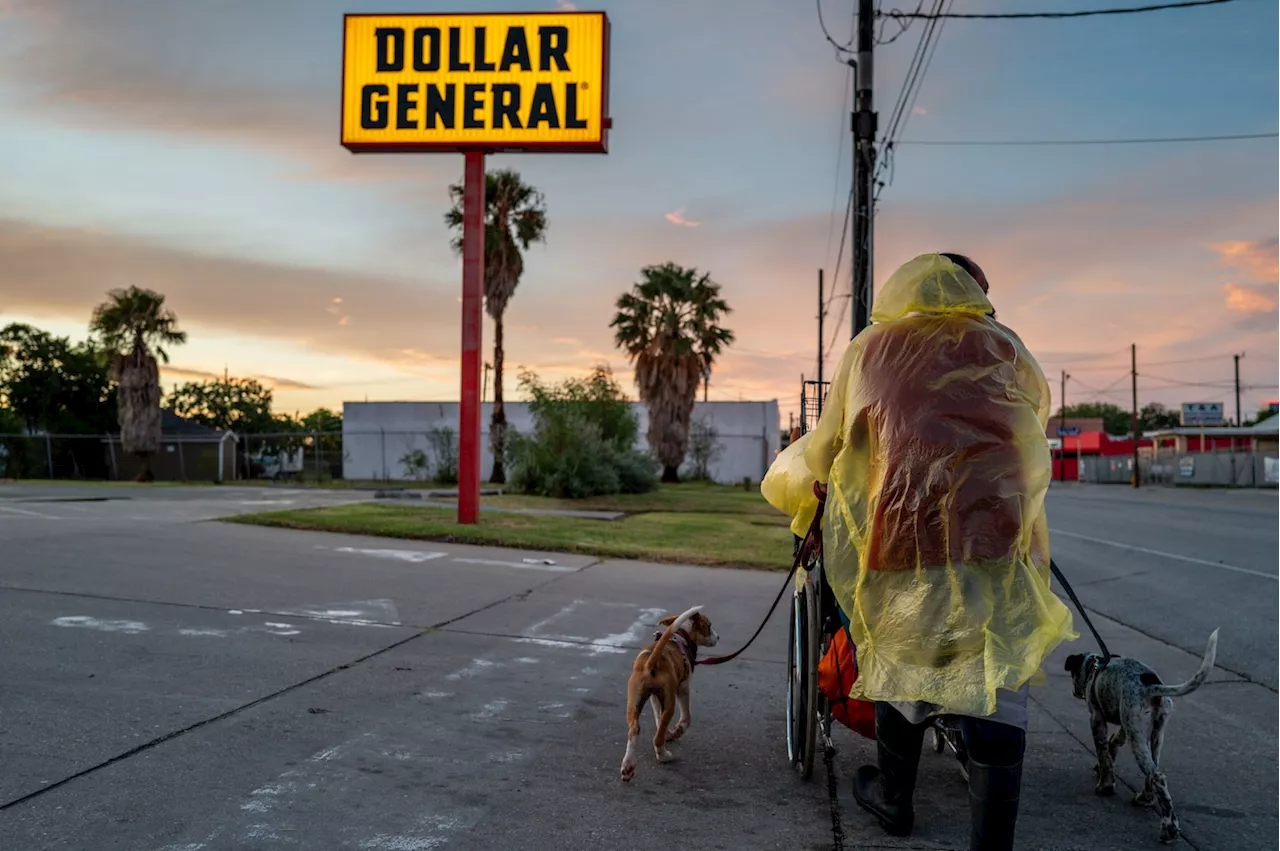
<point x="170" y="683"/>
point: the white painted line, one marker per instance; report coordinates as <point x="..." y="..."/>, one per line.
<point x="25" y="513"/>
<point x="519" y="565"/>
<point x="1273" y="577"/>
<point x="617" y="643"/>
<point x="412" y="556"/>
<point x="128" y="627"/>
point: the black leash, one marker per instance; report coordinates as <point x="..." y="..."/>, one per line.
<point x="812" y="543"/>
<point x="1102" y="645"/>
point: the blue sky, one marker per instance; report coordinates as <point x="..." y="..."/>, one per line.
<point x="192" y="147"/>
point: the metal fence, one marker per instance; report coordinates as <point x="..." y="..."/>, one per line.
<point x="296" y="456"/>
<point x="1186" y="469"/>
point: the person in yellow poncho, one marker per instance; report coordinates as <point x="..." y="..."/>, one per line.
<point x="932" y="449"/>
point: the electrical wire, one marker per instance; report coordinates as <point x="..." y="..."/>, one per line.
<point x="904" y="24"/>
<point x="1083" y="13"/>
<point x="1151" y="140"/>
<point x="840" y="48"/>
<point x="901" y="113"/>
<point x="842" y="132"/>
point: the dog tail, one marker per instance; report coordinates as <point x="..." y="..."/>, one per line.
<point x="1206" y="665"/>
<point x="656" y="653"/>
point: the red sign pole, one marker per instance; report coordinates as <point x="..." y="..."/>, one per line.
<point x="472" y="328"/>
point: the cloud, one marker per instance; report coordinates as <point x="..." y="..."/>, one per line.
<point x="919" y="110"/>
<point x="263" y="76"/>
<point x="1258" y="260"/>
<point x="272" y="381"/>
<point x="1244" y="298"/>
<point x="677" y="218"/>
<point x="566" y="6"/>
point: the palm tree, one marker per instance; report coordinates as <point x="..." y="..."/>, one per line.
<point x="669" y="326"/>
<point x="515" y="218"/>
<point x="132" y="323"/>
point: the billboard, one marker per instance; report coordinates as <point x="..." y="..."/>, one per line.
<point x="1202" y="414"/>
<point x="536" y="82"/>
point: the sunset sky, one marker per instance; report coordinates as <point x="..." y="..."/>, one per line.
<point x="191" y="146"/>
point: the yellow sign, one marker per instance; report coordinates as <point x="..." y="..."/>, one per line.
<point x="481" y="82"/>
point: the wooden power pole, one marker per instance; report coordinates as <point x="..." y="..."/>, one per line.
<point x="864" y="165"/>
<point x="1133" y="369"/>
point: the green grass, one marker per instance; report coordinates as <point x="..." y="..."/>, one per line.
<point x="686" y="524"/>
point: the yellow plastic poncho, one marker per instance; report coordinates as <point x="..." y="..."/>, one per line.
<point x="932" y="444"/>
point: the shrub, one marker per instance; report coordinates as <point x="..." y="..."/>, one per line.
<point x="583" y="441"/>
<point x="444" y="448"/>
<point x="704" y="449"/>
<point x="416" y="465"/>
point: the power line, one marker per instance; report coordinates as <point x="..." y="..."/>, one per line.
<point x="840" y="48"/>
<point x="842" y="131"/>
<point x="1149" y="140"/>
<point x="904" y="24"/>
<point x="1084" y="13"/>
<point x="901" y="113"/>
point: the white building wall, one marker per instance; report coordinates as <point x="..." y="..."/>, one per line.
<point x="377" y="435"/>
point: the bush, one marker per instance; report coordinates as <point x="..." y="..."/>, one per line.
<point x="444" y="448"/>
<point x="416" y="464"/>
<point x="583" y="441"/>
<point x="704" y="450"/>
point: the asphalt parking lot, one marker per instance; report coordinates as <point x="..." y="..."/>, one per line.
<point x="175" y="683"/>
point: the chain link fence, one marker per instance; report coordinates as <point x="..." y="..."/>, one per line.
<point x="303" y="457"/>
<point x="1168" y="468"/>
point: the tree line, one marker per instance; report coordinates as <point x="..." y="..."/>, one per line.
<point x="110" y="383"/>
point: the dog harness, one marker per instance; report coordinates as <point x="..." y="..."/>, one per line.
<point x="685" y="643"/>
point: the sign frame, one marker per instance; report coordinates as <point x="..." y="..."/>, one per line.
<point x="606" y="122"/>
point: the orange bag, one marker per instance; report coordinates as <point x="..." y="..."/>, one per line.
<point x="836" y="673"/>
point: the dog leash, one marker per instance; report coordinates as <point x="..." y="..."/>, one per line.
<point x="812" y="540"/>
<point x="1102" y="645"/>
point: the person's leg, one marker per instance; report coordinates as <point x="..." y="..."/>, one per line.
<point x="885" y="790"/>
<point x="995" y="781"/>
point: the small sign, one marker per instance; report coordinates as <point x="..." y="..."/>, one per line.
<point x="1271" y="468"/>
<point x="1202" y="414"/>
<point x="1187" y="467"/>
<point x="1069" y="431"/>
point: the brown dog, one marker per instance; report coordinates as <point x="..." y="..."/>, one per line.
<point x="662" y="671"/>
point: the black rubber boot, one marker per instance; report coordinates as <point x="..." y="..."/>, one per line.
<point x="993" y="805"/>
<point x="886" y="790"/>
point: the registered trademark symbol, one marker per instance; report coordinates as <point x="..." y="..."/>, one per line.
<point x="582" y="86"/>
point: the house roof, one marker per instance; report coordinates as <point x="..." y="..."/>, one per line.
<point x="173" y="426"/>
<point x="171" y="423"/>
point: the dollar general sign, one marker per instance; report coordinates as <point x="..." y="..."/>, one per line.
<point x="479" y="82"/>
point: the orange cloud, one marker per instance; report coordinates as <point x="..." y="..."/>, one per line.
<point x="677" y="218"/>
<point x="272" y="381"/>
<point x="1257" y="259"/>
<point x="1243" y="298"/>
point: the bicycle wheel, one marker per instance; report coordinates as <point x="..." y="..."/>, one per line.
<point x="804" y="647"/>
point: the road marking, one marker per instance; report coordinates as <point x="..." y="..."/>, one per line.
<point x="549" y="568"/>
<point x="24" y="512"/>
<point x="129" y="627"/>
<point x="1163" y="554"/>
<point x="413" y="556"/>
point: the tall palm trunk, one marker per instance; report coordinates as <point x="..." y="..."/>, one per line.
<point x="498" y="421"/>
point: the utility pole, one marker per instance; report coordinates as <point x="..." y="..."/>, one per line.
<point x="864" y="165"/>
<point x="1062" y="427"/>
<point x="1133" y="369"/>
<point x="1236" y="358"/>
<point x="821" y="312"/>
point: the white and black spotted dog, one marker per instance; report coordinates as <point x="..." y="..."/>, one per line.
<point x="1128" y="693"/>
